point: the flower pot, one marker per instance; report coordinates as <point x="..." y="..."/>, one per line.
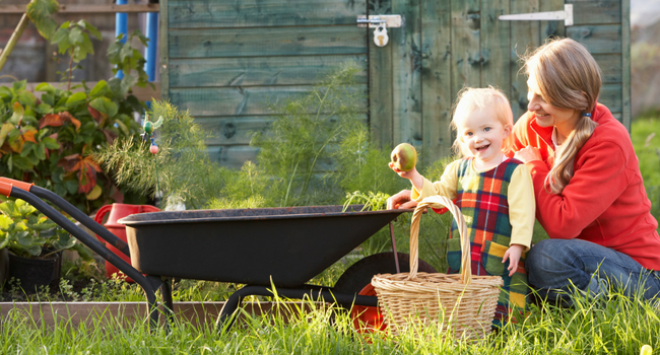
<point x="4" y="265"/>
<point x="33" y="273"/>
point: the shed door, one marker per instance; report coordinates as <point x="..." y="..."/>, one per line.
<point x="228" y="61"/>
<point x="446" y="45"/>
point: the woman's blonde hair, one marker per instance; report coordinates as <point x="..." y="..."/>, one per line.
<point x="472" y="99"/>
<point x="567" y="77"/>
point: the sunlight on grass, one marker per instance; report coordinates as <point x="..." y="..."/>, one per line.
<point x="615" y="324"/>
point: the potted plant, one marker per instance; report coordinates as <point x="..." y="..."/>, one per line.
<point x="34" y="244"/>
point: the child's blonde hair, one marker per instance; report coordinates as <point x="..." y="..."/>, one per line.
<point x="567" y="77"/>
<point x="473" y="99"/>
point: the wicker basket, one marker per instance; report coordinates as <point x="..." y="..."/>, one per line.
<point x="464" y="304"/>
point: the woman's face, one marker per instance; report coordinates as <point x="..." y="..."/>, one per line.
<point x="546" y="114"/>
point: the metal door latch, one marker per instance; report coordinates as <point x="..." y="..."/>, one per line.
<point x="374" y="21"/>
<point x="380" y="23"/>
<point x="566" y="15"/>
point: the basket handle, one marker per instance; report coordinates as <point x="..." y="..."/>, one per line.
<point x="439" y="202"/>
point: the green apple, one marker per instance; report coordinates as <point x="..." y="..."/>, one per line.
<point x="404" y="157"/>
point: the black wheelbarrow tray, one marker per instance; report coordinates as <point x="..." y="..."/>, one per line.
<point x="261" y="248"/>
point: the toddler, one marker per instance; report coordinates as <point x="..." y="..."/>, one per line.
<point x="495" y="194"/>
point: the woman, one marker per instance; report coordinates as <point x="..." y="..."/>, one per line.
<point x="590" y="197"/>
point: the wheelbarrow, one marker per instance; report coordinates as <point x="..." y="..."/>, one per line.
<point x="270" y="250"/>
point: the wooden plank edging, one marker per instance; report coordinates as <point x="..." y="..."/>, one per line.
<point x="142" y="94"/>
<point x="199" y="314"/>
<point x="85" y="9"/>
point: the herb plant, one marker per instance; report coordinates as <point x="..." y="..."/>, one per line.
<point x="182" y="166"/>
<point x="305" y="137"/>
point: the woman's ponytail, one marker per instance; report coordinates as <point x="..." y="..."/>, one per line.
<point x="562" y="169"/>
<point x="567" y="77"/>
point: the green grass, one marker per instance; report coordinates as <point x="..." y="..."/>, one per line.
<point x="645" y="135"/>
<point x="616" y="325"/>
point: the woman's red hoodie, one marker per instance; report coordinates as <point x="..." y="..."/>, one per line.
<point x="605" y="202"/>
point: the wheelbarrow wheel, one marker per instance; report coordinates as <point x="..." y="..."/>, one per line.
<point x="356" y="277"/>
<point x="357" y="280"/>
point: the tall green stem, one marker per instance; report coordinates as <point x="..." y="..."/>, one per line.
<point x="70" y="72"/>
<point x="13" y="40"/>
<point x="311" y="170"/>
<point x="318" y="114"/>
<point x="288" y="188"/>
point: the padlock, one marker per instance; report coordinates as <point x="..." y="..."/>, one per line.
<point x="380" y="36"/>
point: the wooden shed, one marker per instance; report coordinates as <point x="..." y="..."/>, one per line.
<point x="226" y="60"/>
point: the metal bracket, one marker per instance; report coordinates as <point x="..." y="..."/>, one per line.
<point x="390" y="21"/>
<point x="566" y="15"/>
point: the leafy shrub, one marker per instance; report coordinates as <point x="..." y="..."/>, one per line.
<point x="28" y="233"/>
<point x="73" y="38"/>
<point x="51" y="141"/>
<point x="123" y="56"/>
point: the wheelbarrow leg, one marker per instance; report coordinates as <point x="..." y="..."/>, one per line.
<point x="228" y="315"/>
<point x="156" y="282"/>
<point x="153" y="310"/>
<point x="167" y="299"/>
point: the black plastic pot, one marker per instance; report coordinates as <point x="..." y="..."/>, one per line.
<point x="33" y="273"/>
<point x="4" y="265"/>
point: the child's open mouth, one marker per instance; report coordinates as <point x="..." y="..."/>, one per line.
<point x="482" y="148"/>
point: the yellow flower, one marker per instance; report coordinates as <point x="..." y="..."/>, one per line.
<point x="646" y="350"/>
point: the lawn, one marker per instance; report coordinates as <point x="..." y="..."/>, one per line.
<point x="617" y="325"/>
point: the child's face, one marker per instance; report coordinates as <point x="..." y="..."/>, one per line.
<point x="483" y="134"/>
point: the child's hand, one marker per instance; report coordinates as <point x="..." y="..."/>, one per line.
<point x="513" y="254"/>
<point x="401" y="200"/>
<point x="404" y="174"/>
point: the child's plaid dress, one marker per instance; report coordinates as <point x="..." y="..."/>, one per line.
<point x="483" y="200"/>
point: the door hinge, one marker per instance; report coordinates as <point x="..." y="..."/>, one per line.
<point x="566" y="15"/>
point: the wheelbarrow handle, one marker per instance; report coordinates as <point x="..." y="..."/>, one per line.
<point x="72" y="211"/>
<point x="13" y="191"/>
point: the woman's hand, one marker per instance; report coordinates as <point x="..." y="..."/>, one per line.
<point x="401" y="200"/>
<point x="528" y="154"/>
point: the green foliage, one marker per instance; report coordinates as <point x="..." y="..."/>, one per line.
<point x="130" y="61"/>
<point x="116" y="289"/>
<point x="371" y="201"/>
<point x="40" y="13"/>
<point x="28" y="233"/>
<point x="363" y="166"/>
<point x="50" y="141"/>
<point x="645" y="135"/>
<point x="182" y="166"/>
<point x="305" y="137"/>
<point x="73" y="38"/>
